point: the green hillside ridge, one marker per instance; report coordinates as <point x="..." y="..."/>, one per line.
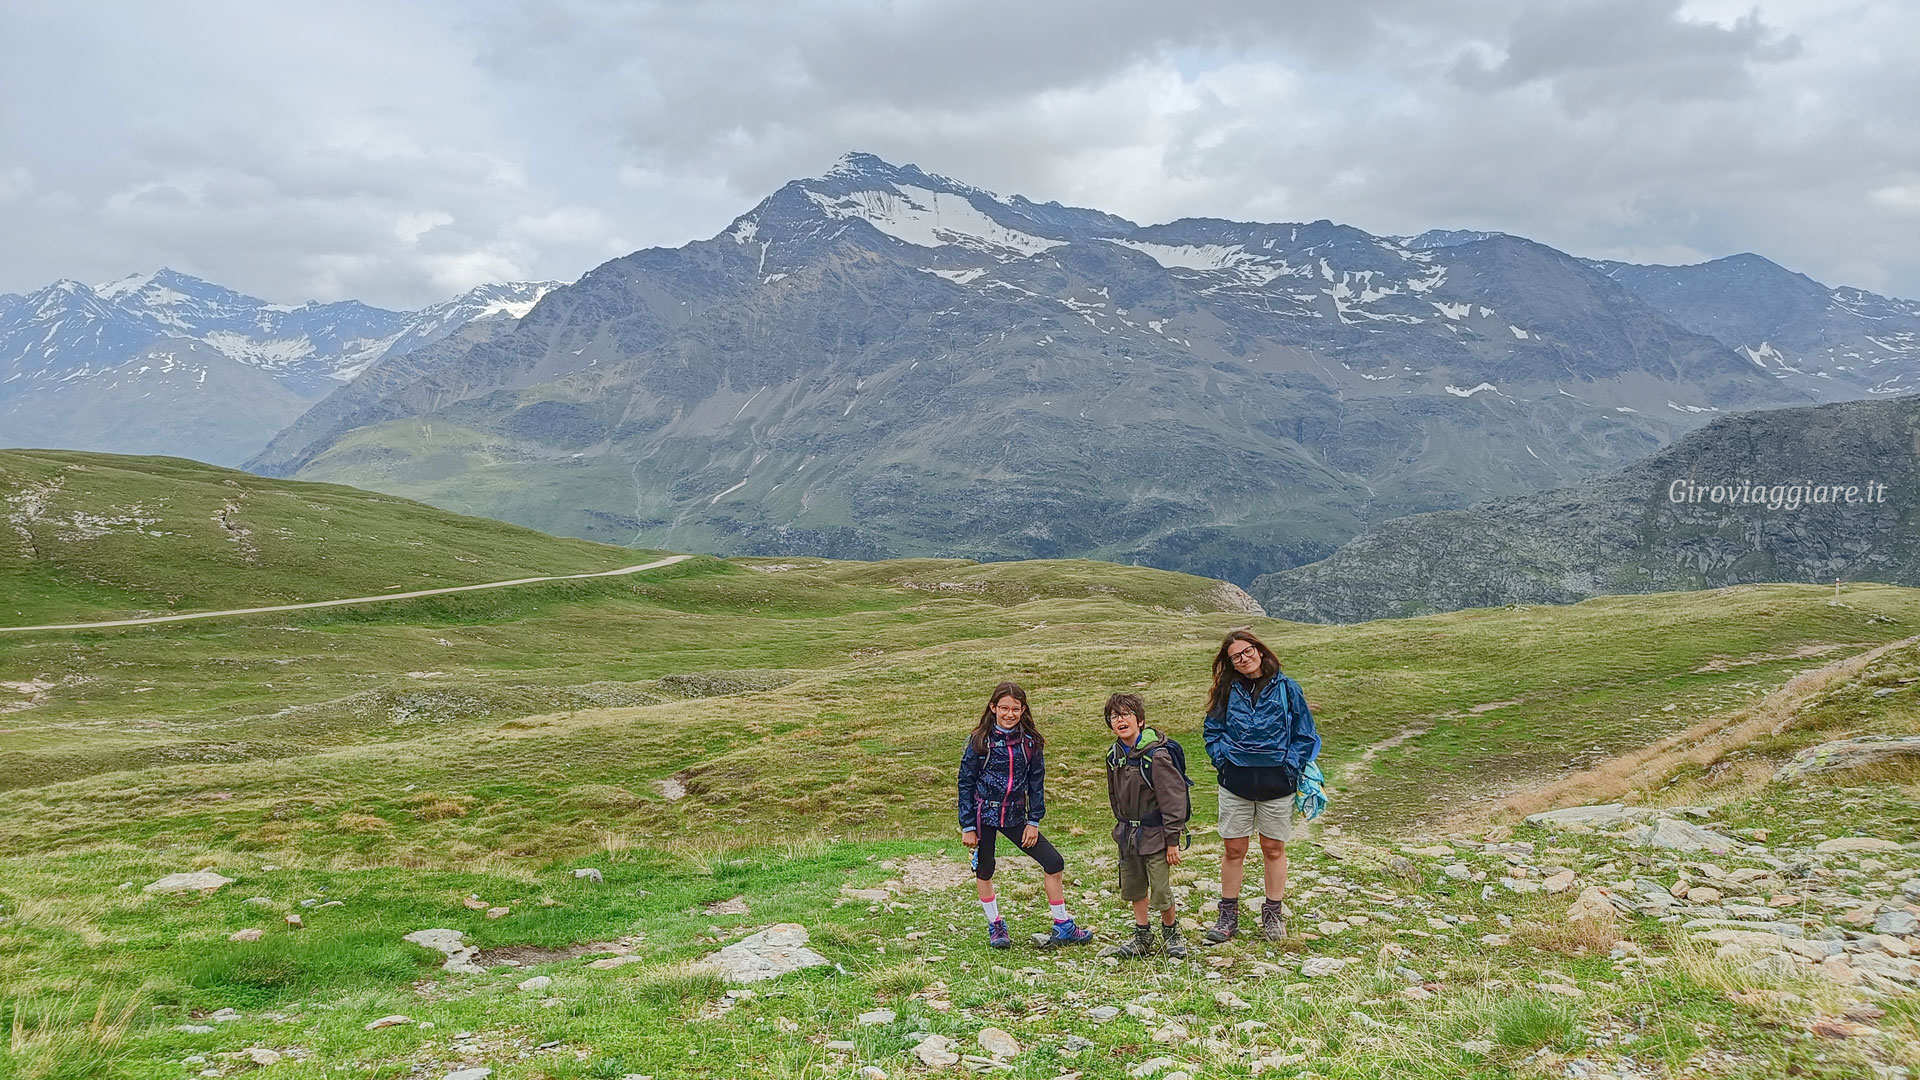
<point x="105" y="536"/>
<point x="407" y="757"/>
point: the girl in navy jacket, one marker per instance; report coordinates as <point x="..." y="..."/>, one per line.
<point x="1003" y="777"/>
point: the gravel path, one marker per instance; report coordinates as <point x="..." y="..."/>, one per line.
<point x="668" y="561"/>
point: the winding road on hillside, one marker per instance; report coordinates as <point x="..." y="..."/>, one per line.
<point x="656" y="564"/>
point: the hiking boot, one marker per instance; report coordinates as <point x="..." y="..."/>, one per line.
<point x="1273" y="921"/>
<point x="997" y="936"/>
<point x="1064" y="933"/>
<point x="1140" y="944"/>
<point x="1176" y="948"/>
<point x="1227" y="925"/>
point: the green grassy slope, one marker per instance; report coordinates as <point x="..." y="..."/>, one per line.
<point x="101" y="536"/>
<point x="403" y="757"/>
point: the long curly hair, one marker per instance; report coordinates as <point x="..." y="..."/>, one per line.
<point x="985" y="727"/>
<point x="1224" y="672"/>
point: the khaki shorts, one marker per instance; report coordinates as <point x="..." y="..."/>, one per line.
<point x="1144" y="877"/>
<point x="1239" y="817"/>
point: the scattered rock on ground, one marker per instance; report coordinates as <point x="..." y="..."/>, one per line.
<point x="734" y="906"/>
<point x="769" y="954"/>
<point x="197" y="881"/>
<point x="1594" y="906"/>
<point x="998" y="1043"/>
<point x="1605" y="815"/>
<point x="590" y="874"/>
<point x="876" y="1017"/>
<point x="535" y="984"/>
<point x="936" y="1052"/>
<point x="1676" y="835"/>
<point x="1855" y="843"/>
<point x="1849" y="754"/>
<point x="459" y="954"/>
<point x="252" y="933"/>
<point x="1321" y="965"/>
<point x="388" y="1021"/>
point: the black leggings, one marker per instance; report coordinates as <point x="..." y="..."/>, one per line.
<point x="1042" y="851"/>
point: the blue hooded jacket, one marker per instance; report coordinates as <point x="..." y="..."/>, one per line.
<point x="1006" y="786"/>
<point x="1275" y="728"/>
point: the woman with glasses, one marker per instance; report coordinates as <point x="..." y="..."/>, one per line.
<point x="1259" y="736"/>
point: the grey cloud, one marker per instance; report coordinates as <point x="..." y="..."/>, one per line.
<point x="1593" y="53"/>
<point x="554" y="135"/>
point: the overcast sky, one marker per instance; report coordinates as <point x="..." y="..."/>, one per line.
<point x="400" y="153"/>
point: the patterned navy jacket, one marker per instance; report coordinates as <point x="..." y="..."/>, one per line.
<point x="1006" y="786"/>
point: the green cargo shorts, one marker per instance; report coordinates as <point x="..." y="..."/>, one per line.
<point x="1144" y="877"/>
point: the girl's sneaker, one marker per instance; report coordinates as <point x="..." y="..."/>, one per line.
<point x="1064" y="933"/>
<point x="997" y="936"/>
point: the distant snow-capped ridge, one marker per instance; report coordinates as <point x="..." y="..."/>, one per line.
<point x="70" y="330"/>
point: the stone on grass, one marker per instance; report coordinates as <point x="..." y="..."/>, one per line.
<point x="769" y="954"/>
<point x="1227" y="999"/>
<point x="1843" y="844"/>
<point x="193" y="1029"/>
<point x="871" y="896"/>
<point x="1559" y="882"/>
<point x="252" y="933"/>
<point x="258" y="901"/>
<point x="1849" y="754"/>
<point x="590" y="874"/>
<point x="1703" y="894"/>
<point x="998" y="1043"/>
<point x="1457" y="871"/>
<point x="388" y="1021"/>
<point x="535" y="984"/>
<point x="1153" y="1066"/>
<point x="197" y="881"/>
<point x="871" y="1072"/>
<point x="1676" y="835"/>
<point x="936" y="1052"/>
<point x="1602" y="816"/>
<point x="1100" y="1014"/>
<point x="1321" y="966"/>
<point x="608" y="963"/>
<point x="1594" y="905"/>
<point x="459" y="954"/>
<point x="261" y="1056"/>
<point x="480" y="1073"/>
<point x="735" y="906"/>
<point x="498" y="912"/>
<point x="877" y="1016"/>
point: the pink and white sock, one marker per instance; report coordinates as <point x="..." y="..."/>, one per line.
<point x="991" y="906"/>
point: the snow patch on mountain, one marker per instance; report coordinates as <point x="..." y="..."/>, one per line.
<point x="927" y="218"/>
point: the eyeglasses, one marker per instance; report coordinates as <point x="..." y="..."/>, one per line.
<point x="1236" y="657"/>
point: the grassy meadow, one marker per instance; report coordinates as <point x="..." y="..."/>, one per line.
<point x="406" y="758"/>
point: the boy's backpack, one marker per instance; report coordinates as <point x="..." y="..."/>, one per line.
<point x="1174" y="751"/>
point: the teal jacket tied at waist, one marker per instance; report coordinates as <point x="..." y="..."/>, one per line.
<point x="1273" y="728"/>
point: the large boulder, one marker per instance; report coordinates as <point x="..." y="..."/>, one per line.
<point x="1847" y="754"/>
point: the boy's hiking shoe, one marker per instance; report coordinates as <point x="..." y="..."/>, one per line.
<point x="1064" y="933"/>
<point x="1176" y="948"/>
<point x="1140" y="944"/>
<point x="1273" y="921"/>
<point x="1227" y="925"/>
<point x="997" y="936"/>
